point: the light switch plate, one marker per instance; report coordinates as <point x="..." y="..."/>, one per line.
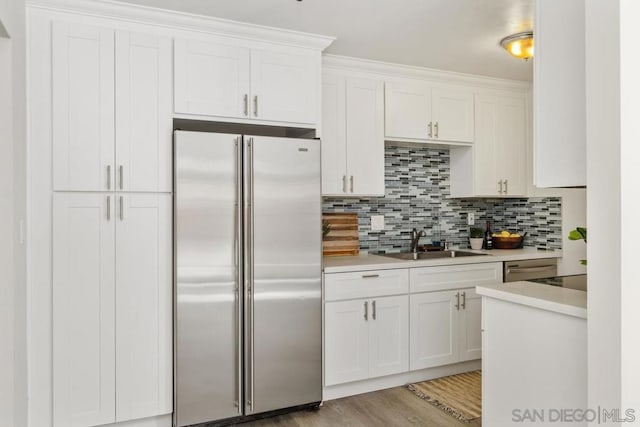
<point x="377" y="222"/>
<point x="471" y="218"/>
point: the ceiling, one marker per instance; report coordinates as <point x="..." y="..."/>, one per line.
<point x="455" y="35"/>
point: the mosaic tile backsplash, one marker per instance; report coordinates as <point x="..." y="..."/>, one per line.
<point x="417" y="195"/>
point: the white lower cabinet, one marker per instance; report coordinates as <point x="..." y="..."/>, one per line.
<point x="366" y="338"/>
<point x="384" y="322"/>
<point x="445" y="328"/>
<point x="112" y="284"/>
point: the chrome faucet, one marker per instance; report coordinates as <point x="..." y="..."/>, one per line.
<point x="415" y="238"/>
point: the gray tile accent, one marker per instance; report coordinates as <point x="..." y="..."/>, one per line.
<point x="417" y="195"/>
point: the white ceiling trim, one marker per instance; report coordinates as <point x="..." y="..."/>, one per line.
<point x="185" y="21"/>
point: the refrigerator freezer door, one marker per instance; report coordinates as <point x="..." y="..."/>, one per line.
<point x="207" y="382"/>
<point x="283" y="323"/>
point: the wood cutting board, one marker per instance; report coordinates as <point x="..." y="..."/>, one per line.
<point x="343" y="238"/>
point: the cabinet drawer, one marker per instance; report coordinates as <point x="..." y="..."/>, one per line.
<point x="365" y="284"/>
<point x="454" y="277"/>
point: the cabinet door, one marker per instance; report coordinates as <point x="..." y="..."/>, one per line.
<point x="365" y="137"/>
<point x="83" y="107"/>
<point x="486" y="150"/>
<point x="144" y="368"/>
<point x="470" y="325"/>
<point x="434" y="329"/>
<point x="334" y="133"/>
<point x="346" y="344"/>
<point x="83" y="310"/>
<point x="389" y="336"/>
<point x="284" y="87"/>
<point x="144" y="117"/>
<point x="407" y="110"/>
<point x="512" y="145"/>
<point x="211" y="79"/>
<point x="452" y="114"/>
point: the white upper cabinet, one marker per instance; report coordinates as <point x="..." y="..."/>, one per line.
<point x="144" y="118"/>
<point x="284" y="86"/>
<point x="352" y="136"/>
<point x="496" y="165"/>
<point x="143" y="305"/>
<point x="238" y="82"/>
<point x="83" y="314"/>
<point x="559" y="94"/>
<point x="408" y="110"/>
<point x="83" y="107"/>
<point x="416" y="111"/>
<point x="112" y="117"/>
<point x="452" y="114"/>
<point x="211" y="79"/>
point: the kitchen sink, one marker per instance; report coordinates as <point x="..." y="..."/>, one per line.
<point x="410" y="256"/>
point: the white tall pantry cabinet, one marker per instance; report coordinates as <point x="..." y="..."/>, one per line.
<point x="112" y="226"/>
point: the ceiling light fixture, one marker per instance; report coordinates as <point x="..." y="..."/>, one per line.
<point x="519" y="45"/>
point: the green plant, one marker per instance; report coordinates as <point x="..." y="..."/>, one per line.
<point x="580" y="233"/>
<point x="326" y="228"/>
<point x="476" y="233"/>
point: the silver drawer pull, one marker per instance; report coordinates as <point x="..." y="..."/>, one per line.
<point x="530" y="269"/>
<point x="373" y="305"/>
<point x="366" y="310"/>
<point x="370" y="276"/>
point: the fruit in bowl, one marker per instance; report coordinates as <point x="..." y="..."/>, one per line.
<point x="506" y="234"/>
<point x="507" y="240"/>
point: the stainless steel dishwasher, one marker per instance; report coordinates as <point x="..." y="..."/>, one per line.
<point x="530" y="269"/>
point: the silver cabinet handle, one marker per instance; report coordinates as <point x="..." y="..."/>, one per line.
<point x="121" y="173"/>
<point x="366" y="310"/>
<point x="238" y="249"/>
<point x="373" y="306"/>
<point x="437" y="129"/>
<point x="351" y="183"/>
<point x="108" y="208"/>
<point x="344" y="183"/>
<point x="246" y="104"/>
<point x="464" y="300"/>
<point x="500" y="190"/>
<point x="121" y="209"/>
<point x="255" y="105"/>
<point x="430" y="126"/>
<point x="108" y="177"/>
<point x="506" y="188"/>
<point x="370" y="276"/>
<point x="457" y="300"/>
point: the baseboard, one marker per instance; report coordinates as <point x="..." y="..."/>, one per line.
<point x="366" y="386"/>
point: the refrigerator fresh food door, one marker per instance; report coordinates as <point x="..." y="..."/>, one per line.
<point x="208" y="255"/>
<point x="282" y="273"/>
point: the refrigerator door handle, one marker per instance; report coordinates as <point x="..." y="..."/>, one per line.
<point x="249" y="262"/>
<point x="238" y="248"/>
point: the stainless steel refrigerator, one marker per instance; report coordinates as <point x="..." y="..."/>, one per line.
<point x="248" y="275"/>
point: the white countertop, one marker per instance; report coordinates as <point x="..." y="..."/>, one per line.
<point x="345" y="264"/>
<point x="551" y="298"/>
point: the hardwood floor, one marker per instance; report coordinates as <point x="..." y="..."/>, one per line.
<point x="395" y="407"/>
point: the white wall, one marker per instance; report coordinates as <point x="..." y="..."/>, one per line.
<point x="13" y="373"/>
<point x="613" y="173"/>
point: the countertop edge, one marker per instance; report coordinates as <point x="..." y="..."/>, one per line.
<point x="378" y="262"/>
<point x="574" y="307"/>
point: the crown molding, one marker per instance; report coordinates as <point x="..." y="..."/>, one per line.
<point x="395" y="71"/>
<point x="184" y="21"/>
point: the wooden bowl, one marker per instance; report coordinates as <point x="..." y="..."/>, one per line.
<point x="507" y="242"/>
